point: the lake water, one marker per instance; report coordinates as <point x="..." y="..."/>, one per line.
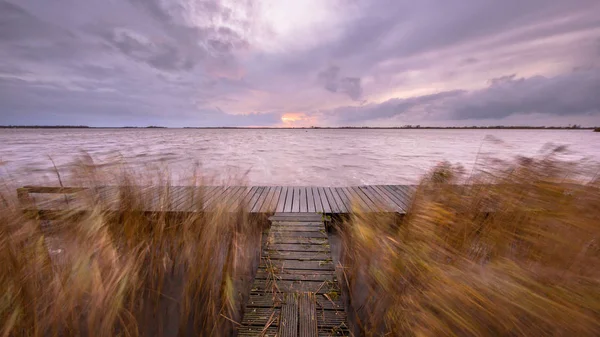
<point x="281" y="157"/>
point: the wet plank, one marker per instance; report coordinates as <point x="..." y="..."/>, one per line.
<point x="307" y="312"/>
<point x="296" y="275"/>
<point x="288" y="321"/>
<point x="254" y="199"/>
<point x="267" y="206"/>
<point x="281" y="202"/>
<point x="304" y="200"/>
<point x="289" y="200"/>
<point x="274" y="300"/>
<point x="310" y="200"/>
<point x="385" y="191"/>
<point x="333" y="202"/>
<point x="324" y="200"/>
<point x="302" y="255"/>
<point x="343" y="200"/>
<point x="261" y="199"/>
<point x="397" y="195"/>
<point x="296" y="202"/>
<point x="390" y="205"/>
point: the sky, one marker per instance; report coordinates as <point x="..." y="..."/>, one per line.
<point x="184" y="63"/>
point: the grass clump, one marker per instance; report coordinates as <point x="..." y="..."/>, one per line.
<point x="105" y="268"/>
<point x="515" y="251"/>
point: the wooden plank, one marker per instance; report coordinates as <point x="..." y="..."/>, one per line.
<point x="304" y="200"/>
<point x="304" y="255"/>
<point x="298" y="234"/>
<point x="218" y="193"/>
<point x="271" y="331"/>
<point x="310" y="200"/>
<point x="399" y="197"/>
<point x="310" y="222"/>
<point x="326" y="318"/>
<point x="307" y="315"/>
<point x="296" y="275"/>
<point x="257" y="331"/>
<point x="227" y="201"/>
<point x="296" y="202"/>
<point x="242" y="198"/>
<point x="181" y="198"/>
<point x="342" y="199"/>
<point x="261" y="199"/>
<point x="275" y="200"/>
<point x="275" y="285"/>
<point x="260" y="317"/>
<point x="300" y="247"/>
<point x="246" y="197"/>
<point x="324" y="200"/>
<point x="288" y="321"/>
<point x="393" y="195"/>
<point x="373" y="203"/>
<point x="254" y="199"/>
<point x="277" y="239"/>
<point x="309" y="227"/>
<point x="355" y="201"/>
<point x="300" y="217"/>
<point x="407" y="191"/>
<point x="316" y="199"/>
<point x="289" y="199"/>
<point x="271" y="192"/>
<point x="269" y="301"/>
<point x="304" y="265"/>
<point x="332" y="201"/>
<point x="391" y="204"/>
<point x="281" y="202"/>
<point x="400" y="190"/>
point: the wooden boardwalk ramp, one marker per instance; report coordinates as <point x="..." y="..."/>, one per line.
<point x="295" y="292"/>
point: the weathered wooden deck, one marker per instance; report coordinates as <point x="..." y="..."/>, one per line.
<point x="295" y="292"/>
<point x="256" y="199"/>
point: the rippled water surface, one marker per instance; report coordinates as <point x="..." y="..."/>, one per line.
<point x="282" y="157"/>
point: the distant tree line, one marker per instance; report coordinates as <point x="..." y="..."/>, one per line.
<point x="76" y="127"/>
<point x="408" y="126"/>
<point x="44" y="127"/>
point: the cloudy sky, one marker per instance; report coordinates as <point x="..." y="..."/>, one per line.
<point x="299" y="63"/>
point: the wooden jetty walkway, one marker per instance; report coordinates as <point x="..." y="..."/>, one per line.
<point x="295" y="292"/>
<point x="256" y="199"/>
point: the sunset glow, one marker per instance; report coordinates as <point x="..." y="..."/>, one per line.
<point x="296" y="118"/>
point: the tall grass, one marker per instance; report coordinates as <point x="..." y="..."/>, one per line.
<point x="117" y="270"/>
<point x="514" y="252"/>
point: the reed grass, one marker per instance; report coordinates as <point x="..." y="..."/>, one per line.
<point x="117" y="270"/>
<point x="514" y="252"/>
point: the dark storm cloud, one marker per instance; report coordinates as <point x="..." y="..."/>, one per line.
<point x="164" y="56"/>
<point x="575" y="93"/>
<point x="391" y="108"/>
<point x="572" y="94"/>
<point x="331" y="80"/>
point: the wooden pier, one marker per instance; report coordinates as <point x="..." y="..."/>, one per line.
<point x="256" y="199"/>
<point x="295" y="292"/>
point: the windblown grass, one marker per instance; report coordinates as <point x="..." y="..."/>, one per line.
<point x="514" y="252"/>
<point x="107" y="272"/>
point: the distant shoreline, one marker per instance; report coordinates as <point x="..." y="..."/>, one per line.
<point x="411" y="127"/>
